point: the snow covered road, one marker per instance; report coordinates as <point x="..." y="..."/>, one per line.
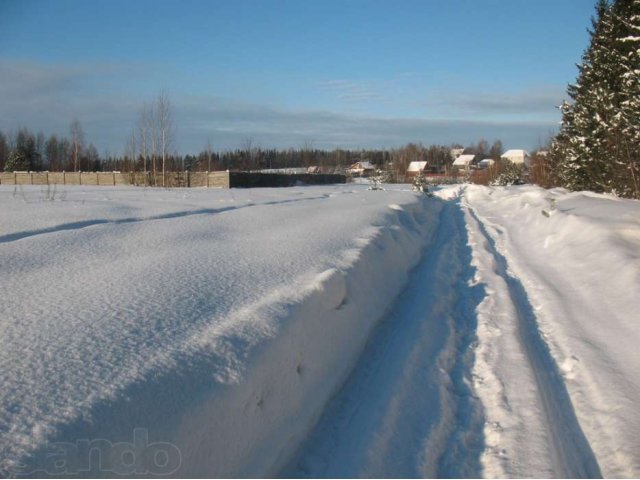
<point x="322" y="331"/>
<point x="407" y="410"/>
<point x="463" y="378"/>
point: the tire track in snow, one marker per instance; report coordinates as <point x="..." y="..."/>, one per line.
<point x="573" y="454"/>
<point x="12" y="237"/>
<point x="408" y="408"/>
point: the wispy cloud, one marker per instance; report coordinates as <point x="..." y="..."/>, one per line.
<point x="228" y="122"/>
<point x="525" y="102"/>
<point x="354" y="91"/>
<point x="48" y="97"/>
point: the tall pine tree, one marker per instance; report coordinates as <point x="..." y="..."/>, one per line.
<point x="598" y="143"/>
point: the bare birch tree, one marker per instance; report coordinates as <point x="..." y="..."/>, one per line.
<point x="209" y="151"/>
<point x="166" y="128"/>
<point x="145" y="131"/>
<point x="251" y="153"/>
<point x="77" y="141"/>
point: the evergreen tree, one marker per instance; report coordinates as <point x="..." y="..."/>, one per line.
<point x="627" y="136"/>
<point x="25" y="155"/>
<point x="18" y="161"/>
<point x="597" y="146"/>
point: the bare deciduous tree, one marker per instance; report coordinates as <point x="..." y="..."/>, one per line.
<point x="77" y="141"/>
<point x="166" y="128"/>
<point x="145" y="134"/>
<point x="209" y="151"/>
<point x="251" y="152"/>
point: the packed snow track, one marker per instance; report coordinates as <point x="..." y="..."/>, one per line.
<point x="319" y="332"/>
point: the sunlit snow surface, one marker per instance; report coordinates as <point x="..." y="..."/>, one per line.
<point x="501" y="327"/>
<point x="134" y="307"/>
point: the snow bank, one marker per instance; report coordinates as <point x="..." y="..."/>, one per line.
<point x="209" y="327"/>
<point x="571" y="262"/>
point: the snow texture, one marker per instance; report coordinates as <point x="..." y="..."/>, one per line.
<point x="510" y="353"/>
<point x="322" y="331"/>
<point x="219" y="321"/>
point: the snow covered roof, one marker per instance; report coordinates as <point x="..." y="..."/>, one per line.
<point x="516" y="155"/>
<point x="515" y="152"/>
<point x="463" y="160"/>
<point x="364" y="165"/>
<point x="416" y="166"/>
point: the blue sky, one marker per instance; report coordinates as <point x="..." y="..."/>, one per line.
<point x="344" y="74"/>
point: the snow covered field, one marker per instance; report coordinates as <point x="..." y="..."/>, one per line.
<point x="319" y="331"/>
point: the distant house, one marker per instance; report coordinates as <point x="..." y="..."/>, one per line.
<point x="486" y="163"/>
<point x="517" y="156"/>
<point x="314" y="169"/>
<point x="414" y="168"/>
<point x="464" y="162"/>
<point x="362" y="169"/>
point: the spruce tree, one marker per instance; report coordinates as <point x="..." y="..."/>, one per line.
<point x="627" y="135"/>
<point x="18" y="161"/>
<point x="599" y="132"/>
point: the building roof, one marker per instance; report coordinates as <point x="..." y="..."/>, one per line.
<point x="416" y="166"/>
<point x="463" y="160"/>
<point x="363" y="165"/>
<point x="515" y="152"/>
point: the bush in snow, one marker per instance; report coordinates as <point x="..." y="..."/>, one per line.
<point x="378" y="179"/>
<point x="510" y="174"/>
<point x="420" y="183"/>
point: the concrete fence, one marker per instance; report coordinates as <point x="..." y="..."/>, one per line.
<point x="172" y="179"/>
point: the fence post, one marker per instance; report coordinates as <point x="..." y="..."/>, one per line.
<point x="114" y="179"/>
<point x="31" y="174"/>
<point x="64" y="177"/>
<point x="188" y="179"/>
<point x="15" y="178"/>
<point x="79" y="178"/>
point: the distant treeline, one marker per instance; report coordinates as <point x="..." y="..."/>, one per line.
<point x="25" y="150"/>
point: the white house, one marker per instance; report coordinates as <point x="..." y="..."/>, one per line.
<point x="415" y="167"/>
<point x="463" y="162"/>
<point x="517" y="156"/>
